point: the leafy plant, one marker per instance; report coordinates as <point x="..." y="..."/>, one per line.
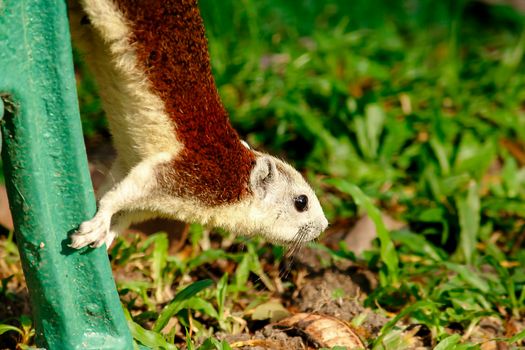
<point x="25" y="332"/>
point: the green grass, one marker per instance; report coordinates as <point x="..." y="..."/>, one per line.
<point x="425" y="115"/>
<point x="411" y="108"/>
<point x="421" y="105"/>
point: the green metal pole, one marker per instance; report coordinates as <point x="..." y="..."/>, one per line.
<point x="73" y="295"/>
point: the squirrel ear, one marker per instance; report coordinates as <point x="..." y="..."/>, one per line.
<point x="262" y="175"/>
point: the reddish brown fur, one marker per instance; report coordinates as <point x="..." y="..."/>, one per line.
<point x="172" y="48"/>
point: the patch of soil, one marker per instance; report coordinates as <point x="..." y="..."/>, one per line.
<point x="266" y="338"/>
<point x="336" y="293"/>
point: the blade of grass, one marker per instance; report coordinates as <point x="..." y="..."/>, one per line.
<point x="160" y="255"/>
<point x="177" y="303"/>
<point x="469" y="217"/>
<point x="441" y="154"/>
<point x="206" y="257"/>
<point x="199" y="304"/>
<point x="518" y="337"/>
<point x="390" y="324"/>
<point x="242" y="273"/>
<point x="374" y="118"/>
<point x="221" y="295"/>
<point x="151" y="339"/>
<point x="469" y="276"/>
<point x="418" y="244"/>
<point x="6" y="328"/>
<point x="508" y="282"/>
<point x="449" y="343"/>
<point x="387" y="249"/>
<point x="214" y="344"/>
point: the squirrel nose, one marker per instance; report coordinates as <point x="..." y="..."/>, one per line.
<point x="324" y="224"/>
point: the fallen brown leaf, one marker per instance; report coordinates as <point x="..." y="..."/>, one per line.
<point x="325" y="331"/>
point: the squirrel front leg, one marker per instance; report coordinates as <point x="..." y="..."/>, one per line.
<point x="119" y="206"/>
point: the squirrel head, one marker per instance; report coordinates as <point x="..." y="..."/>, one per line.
<point x="283" y="207"/>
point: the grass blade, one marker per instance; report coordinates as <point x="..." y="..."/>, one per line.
<point x="387" y="249"/>
<point x="390" y="324"/>
<point x="222" y="288"/>
<point x="469" y="217"/>
<point x="449" y="343"/>
<point x="469" y="276"/>
<point x="177" y="303"/>
<point x="518" y="337"/>
<point x="375" y="118"/>
<point x="160" y="256"/>
<point x="151" y="339"/>
<point x="6" y="328"/>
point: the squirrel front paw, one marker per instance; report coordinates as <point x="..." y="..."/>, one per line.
<point x="94" y="233"/>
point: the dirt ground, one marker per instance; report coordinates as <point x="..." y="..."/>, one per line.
<point x="335" y="294"/>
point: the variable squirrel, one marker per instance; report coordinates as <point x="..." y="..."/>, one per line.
<point x="177" y="154"/>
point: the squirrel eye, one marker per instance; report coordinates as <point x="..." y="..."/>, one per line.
<point x="301" y="203"/>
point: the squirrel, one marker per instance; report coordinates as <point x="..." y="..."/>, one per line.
<point x="177" y="154"/>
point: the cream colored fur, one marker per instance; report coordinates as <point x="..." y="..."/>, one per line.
<point x="145" y="138"/>
<point x="139" y="125"/>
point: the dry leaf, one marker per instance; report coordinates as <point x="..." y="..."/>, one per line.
<point x="325" y="331"/>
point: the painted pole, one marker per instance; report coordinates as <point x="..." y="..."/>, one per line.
<point x="73" y="295"/>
